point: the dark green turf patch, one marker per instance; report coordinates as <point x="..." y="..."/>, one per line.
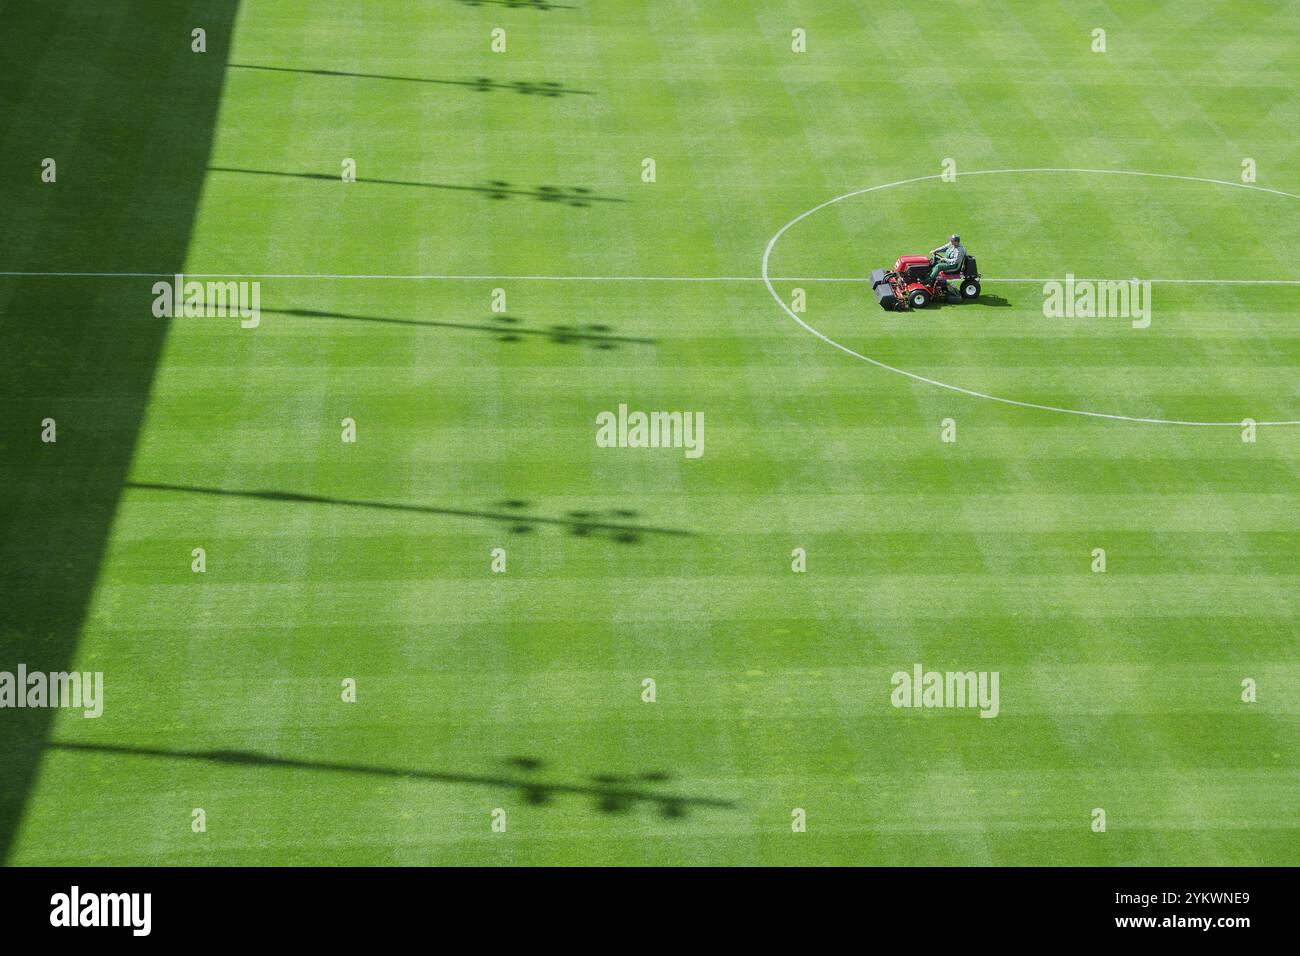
<point x="115" y="95"/>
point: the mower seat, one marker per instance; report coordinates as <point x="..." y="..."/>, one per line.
<point x="956" y="272"/>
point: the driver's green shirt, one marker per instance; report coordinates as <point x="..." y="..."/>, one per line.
<point x="951" y="257"/>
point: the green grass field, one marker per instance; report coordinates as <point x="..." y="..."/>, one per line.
<point x="522" y="691"/>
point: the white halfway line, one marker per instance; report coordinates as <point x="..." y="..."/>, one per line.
<point x="434" y="277"/>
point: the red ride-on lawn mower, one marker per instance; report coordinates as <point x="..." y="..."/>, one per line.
<point x="908" y="285"/>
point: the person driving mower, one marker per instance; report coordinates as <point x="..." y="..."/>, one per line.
<point x="916" y="281"/>
<point x="948" y="258"/>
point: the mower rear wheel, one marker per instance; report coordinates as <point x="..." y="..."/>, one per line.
<point x="918" y="299"/>
<point x="970" y="289"/>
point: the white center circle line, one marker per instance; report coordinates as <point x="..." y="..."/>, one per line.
<point x="767" y="280"/>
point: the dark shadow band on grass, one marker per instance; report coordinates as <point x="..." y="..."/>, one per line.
<point x="114" y="93"/>
<point x="612" y="794"/>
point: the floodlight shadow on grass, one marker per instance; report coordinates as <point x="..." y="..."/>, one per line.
<point x="609" y="525"/>
<point x="542" y="6"/>
<point x="506" y="328"/>
<point x="612" y="794"/>
<point x="480" y="84"/>
<point x="500" y="189"/>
